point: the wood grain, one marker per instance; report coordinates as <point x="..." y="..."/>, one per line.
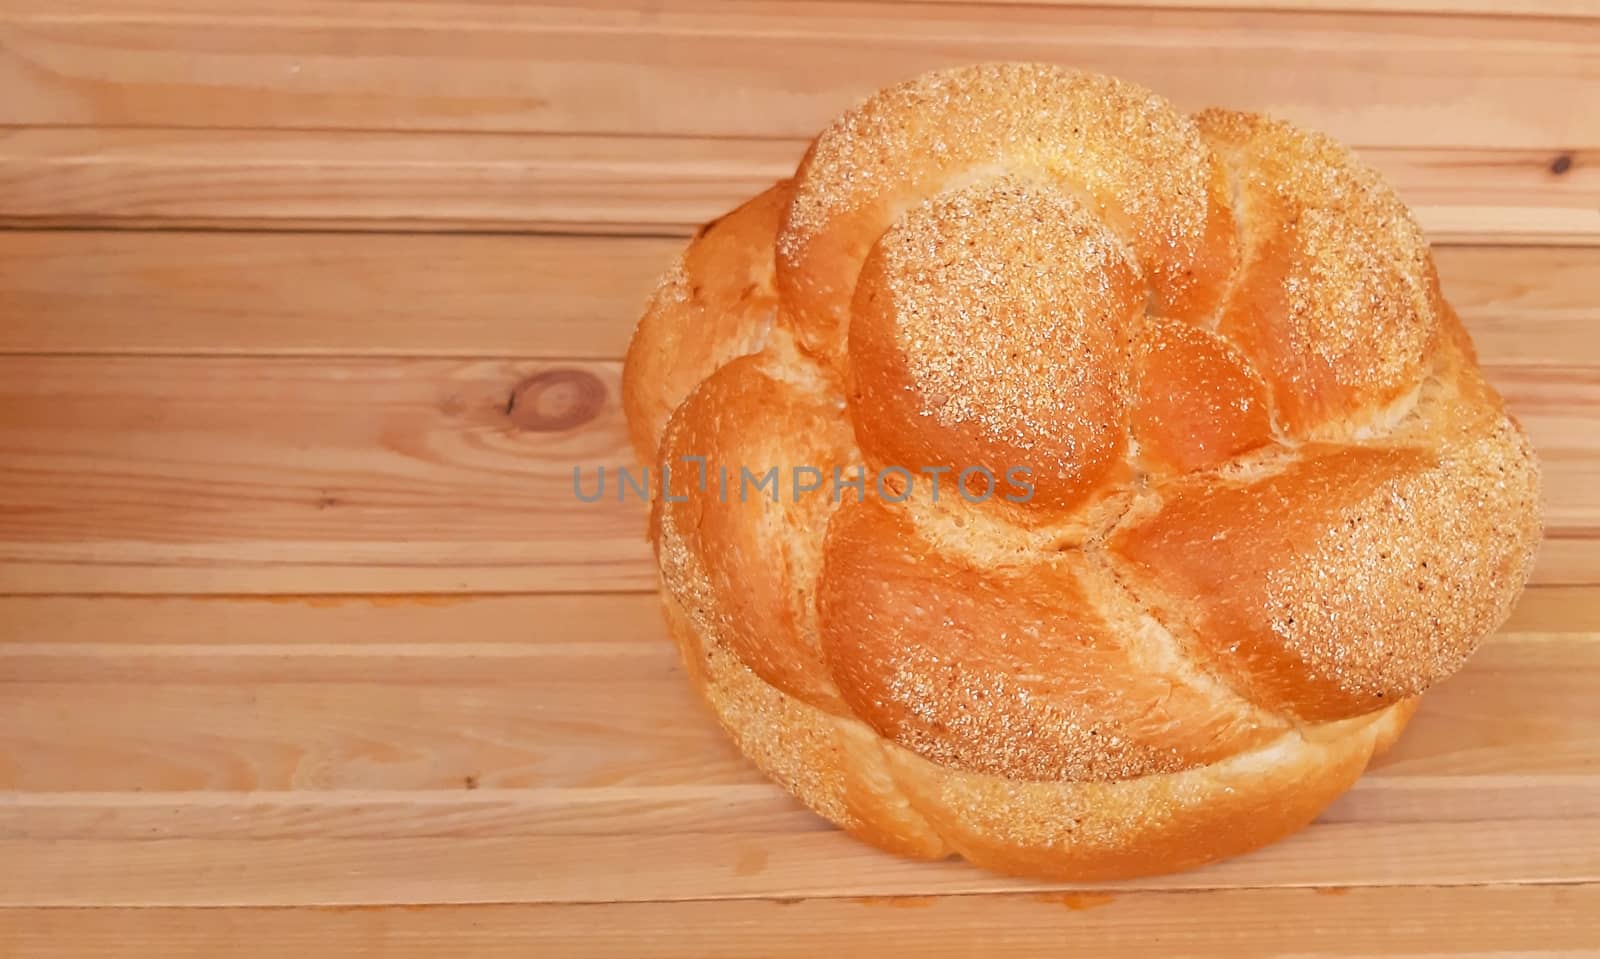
<point x="710" y="809"/>
<point x="683" y="866"/>
<point x="378" y="180"/>
<point x="1567" y="556"/>
<point x="622" y="183"/>
<point x="41" y="623"/>
<point x="710" y="67"/>
<point x="163" y="474"/>
<point x="1519" y="303"/>
<point x="1522" y="8"/>
<point x="266" y="707"/>
<point x="300" y="623"/>
<point x="221" y="750"/>
<point x="380" y="294"/>
<point x="623" y="11"/>
<point x="436" y="621"/>
<point x="558" y="296"/>
<point x="1543" y="609"/>
<point x="229" y="474"/>
<point x="1321" y="923"/>
<point x="417" y="733"/>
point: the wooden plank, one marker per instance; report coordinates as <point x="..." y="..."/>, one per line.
<point x="1546" y="609"/>
<point x="430" y="718"/>
<point x="390" y="180"/>
<point x="376" y="294"/>
<point x="236" y="720"/>
<point x="257" y="623"/>
<point x="711" y="808"/>
<point x="264" y="708"/>
<point x="718" y="68"/>
<point x="484" y="811"/>
<point x="666" y="866"/>
<point x="1330" y="923"/>
<point x="1520" y="8"/>
<point x="624" y="11"/>
<point x="165" y="474"/>
<point x="1567" y="557"/>
<point x="1525" y="306"/>
<point x="383" y="180"/>
<point x="227" y="474"/>
<point x="568" y="296"/>
<point x="101" y="624"/>
<point x="422" y="734"/>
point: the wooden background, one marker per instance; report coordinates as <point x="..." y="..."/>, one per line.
<point x="307" y="310"/>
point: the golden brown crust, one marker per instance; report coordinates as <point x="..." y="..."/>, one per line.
<point x="991" y="328"/>
<point x="1197" y="402"/>
<point x="892" y="798"/>
<point x="1121" y="148"/>
<point x="1336" y="300"/>
<point x="714" y="303"/>
<point x="741" y="547"/>
<point x="1274" y="499"/>
<point x="1023" y="671"/>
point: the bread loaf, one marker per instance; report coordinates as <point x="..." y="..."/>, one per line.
<point x="1067" y="483"/>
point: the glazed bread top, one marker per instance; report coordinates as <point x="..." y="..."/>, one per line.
<point x="1266" y="484"/>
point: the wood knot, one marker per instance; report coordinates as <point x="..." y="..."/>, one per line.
<point x="556" y="400"/>
<point x="1561" y="164"/>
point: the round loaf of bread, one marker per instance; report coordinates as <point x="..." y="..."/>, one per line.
<point x="1051" y="478"/>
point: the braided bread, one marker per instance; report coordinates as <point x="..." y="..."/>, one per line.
<point x="1223" y="488"/>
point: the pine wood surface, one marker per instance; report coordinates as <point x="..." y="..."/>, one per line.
<point x="629" y="184"/>
<point x="309" y="309"/>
